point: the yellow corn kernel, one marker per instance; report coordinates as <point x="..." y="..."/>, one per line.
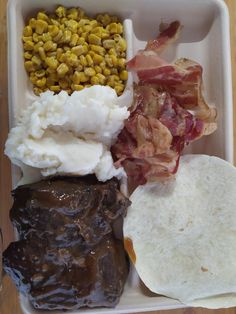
<point x="83" y="77"/>
<point x="46" y="37"/>
<point x="42" y="53"/>
<point x="59" y="53"/>
<point x="72" y="13"/>
<point x="62" y="58"/>
<point x="94" y="23"/>
<point x="94" y="39"/>
<point x="124" y="75"/>
<point x="114" y="78"/>
<point x="98" y="49"/>
<point x="60" y="11"/>
<point x="89" y="71"/>
<point x="105" y="35"/>
<point x="67" y="36"/>
<point x="53" y="30"/>
<point x="97" y="59"/>
<point x="36" y="37"/>
<point x="119" y="28"/>
<point x="112" y="28"/>
<point x="32" y="23"/>
<point x="102" y="65"/>
<point x="94" y="80"/>
<point x="98" y="69"/>
<point x="37" y="91"/>
<point x="72" y="59"/>
<point x="62" y="69"/>
<point x="79" y="68"/>
<point x="41" y="26"/>
<point x="76" y="77"/>
<point x="84" y="35"/>
<point x="58" y="37"/>
<point x="55" y="22"/>
<point x="85" y="47"/>
<point x="51" y="62"/>
<point x="27" y="31"/>
<point x="106" y="19"/>
<point x="121" y="63"/>
<point x="63" y="83"/>
<point x="33" y="78"/>
<point x="108" y="60"/>
<point x="106" y="72"/>
<point x="50" y="46"/>
<point x="41" y="82"/>
<point x="108" y="43"/>
<point x="63" y="20"/>
<point x="72" y="25"/>
<point x="119" y="89"/>
<point x="74" y="39"/>
<point x="89" y="59"/>
<point x="114" y="60"/>
<point x="78" y="50"/>
<point x="77" y="87"/>
<point x="55" y="88"/>
<point x="83" y="22"/>
<point x="29" y="45"/>
<point x="80" y="41"/>
<point x="51" y="70"/>
<point x="122" y="44"/>
<point x="40" y="73"/>
<point x="91" y="53"/>
<point x="36" y="61"/>
<point x="102" y="78"/>
<point x="97" y="30"/>
<point x="37" y="46"/>
<point x="83" y="60"/>
<point x="27" y="55"/>
<point x="28" y="38"/>
<point x="114" y="71"/>
<point x="112" y="51"/>
<point x="123" y="54"/>
<point x="42" y="16"/>
<point x="111" y="84"/>
<point x="87" y="28"/>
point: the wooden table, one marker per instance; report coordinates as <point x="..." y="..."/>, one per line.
<point x="8" y="297"/>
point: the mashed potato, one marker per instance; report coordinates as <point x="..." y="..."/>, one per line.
<point x="61" y="134"/>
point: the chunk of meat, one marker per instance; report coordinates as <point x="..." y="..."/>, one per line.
<point x="67" y="255"/>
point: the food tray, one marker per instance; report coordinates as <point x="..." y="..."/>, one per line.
<point x="204" y="38"/>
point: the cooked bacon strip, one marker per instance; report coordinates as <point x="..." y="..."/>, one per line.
<point x="168" y="112"/>
<point x="154" y="135"/>
<point x="184" y="81"/>
<point x="167" y="36"/>
<point x="149" y="58"/>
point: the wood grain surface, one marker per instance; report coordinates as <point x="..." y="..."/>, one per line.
<point x="9" y="303"/>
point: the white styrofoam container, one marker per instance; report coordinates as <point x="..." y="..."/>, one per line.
<point x="204" y="38"/>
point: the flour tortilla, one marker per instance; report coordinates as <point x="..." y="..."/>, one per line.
<point x="184" y="233"/>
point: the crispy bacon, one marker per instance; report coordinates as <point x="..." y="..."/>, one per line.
<point x="154" y="135"/>
<point x="168" y="113"/>
<point x="168" y="35"/>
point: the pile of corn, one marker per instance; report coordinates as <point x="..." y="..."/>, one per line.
<point x="68" y="51"/>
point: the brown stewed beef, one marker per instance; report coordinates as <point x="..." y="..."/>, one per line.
<point x="67" y="255"/>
